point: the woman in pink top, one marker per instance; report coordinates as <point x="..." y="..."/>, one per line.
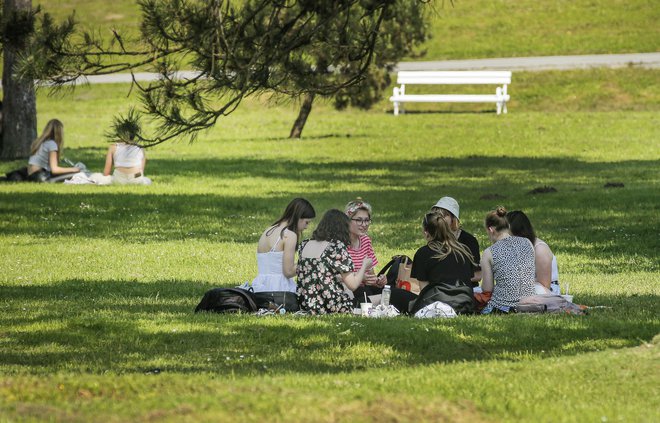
<point x="360" y="245"/>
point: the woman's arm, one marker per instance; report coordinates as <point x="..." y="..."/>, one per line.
<point x="477" y="276"/>
<point x="543" y="257"/>
<point x="108" y="160"/>
<point x="353" y="279"/>
<point x="487" y="282"/>
<point x="290" y="240"/>
<point x="55" y="168"/>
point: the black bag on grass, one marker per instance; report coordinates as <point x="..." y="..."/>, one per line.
<point x="392" y="269"/>
<point x="272" y="300"/>
<point x="227" y="300"/>
<point x="458" y="295"/>
<point x="17" y="175"/>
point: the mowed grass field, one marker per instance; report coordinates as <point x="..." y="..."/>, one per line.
<point x="98" y="284"/>
<point x="470" y="29"/>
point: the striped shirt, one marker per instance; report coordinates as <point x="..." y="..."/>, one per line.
<point x="365" y="250"/>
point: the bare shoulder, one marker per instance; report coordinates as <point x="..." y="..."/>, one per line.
<point x="487" y="255"/>
<point x="541" y="247"/>
<point x="289" y="235"/>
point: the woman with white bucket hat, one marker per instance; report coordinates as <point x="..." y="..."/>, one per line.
<point x="450" y="211"/>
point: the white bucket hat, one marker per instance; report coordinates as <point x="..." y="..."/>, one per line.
<point x="449" y="204"/>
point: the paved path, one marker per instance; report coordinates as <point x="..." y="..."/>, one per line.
<point x="647" y="60"/>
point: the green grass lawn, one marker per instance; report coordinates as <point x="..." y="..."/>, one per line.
<point x="98" y="284"/>
<point x="471" y="29"/>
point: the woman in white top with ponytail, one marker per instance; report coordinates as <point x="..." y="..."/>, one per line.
<point x="129" y="162"/>
<point x="277" y="248"/>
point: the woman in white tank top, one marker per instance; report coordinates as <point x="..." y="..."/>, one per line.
<point x="129" y="162"/>
<point x="277" y="248"/>
<point x="547" y="272"/>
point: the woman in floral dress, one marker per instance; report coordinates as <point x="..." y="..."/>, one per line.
<point x="325" y="267"/>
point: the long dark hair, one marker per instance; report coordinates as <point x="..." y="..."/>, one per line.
<point x="443" y="241"/>
<point x="520" y="225"/>
<point x="334" y="225"/>
<point x="297" y="209"/>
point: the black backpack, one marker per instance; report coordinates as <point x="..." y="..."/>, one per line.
<point x="227" y="300"/>
<point x="459" y="295"/>
<point x="392" y="269"/>
<point x="274" y="300"/>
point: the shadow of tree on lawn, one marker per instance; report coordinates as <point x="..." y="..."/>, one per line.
<point x="123" y="326"/>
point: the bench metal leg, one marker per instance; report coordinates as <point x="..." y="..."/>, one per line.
<point x="396" y="108"/>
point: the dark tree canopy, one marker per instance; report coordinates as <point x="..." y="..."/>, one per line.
<point x="292" y="47"/>
<point x="402" y="27"/>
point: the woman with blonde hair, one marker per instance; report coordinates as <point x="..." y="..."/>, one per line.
<point x="359" y="247"/>
<point x="45" y="154"/>
<point x="449" y="209"/>
<point x="443" y="266"/>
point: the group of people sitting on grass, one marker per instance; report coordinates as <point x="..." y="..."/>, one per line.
<point x="127" y="158"/>
<point x="335" y="267"/>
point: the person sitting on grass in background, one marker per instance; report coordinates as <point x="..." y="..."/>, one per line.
<point x="360" y="247"/>
<point x="547" y="272"/>
<point x="45" y="153"/>
<point x="276" y="249"/>
<point x="507" y="265"/>
<point x="325" y="266"/>
<point x="128" y="159"/>
<point x="450" y="211"/>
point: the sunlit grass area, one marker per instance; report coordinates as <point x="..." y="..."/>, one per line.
<point x="469" y="29"/>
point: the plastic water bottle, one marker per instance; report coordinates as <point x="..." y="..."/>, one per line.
<point x="385" y="297"/>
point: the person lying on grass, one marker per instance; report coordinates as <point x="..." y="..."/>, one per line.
<point x="276" y="249"/>
<point x="507" y="266"/>
<point x="547" y="272"/>
<point x="325" y="266"/>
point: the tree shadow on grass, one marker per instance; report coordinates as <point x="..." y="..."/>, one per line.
<point x="579" y="214"/>
<point x="122" y="326"/>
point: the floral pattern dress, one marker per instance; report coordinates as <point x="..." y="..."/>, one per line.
<point x="319" y="279"/>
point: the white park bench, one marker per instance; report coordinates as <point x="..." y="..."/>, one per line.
<point x="404" y="78"/>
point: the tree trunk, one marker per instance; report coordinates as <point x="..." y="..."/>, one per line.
<point x="19" y="105"/>
<point x="305" y="110"/>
